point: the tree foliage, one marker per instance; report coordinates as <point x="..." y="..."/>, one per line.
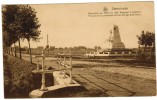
<point x="146" y="39"/>
<point x="19" y="22"/>
<point x="29" y="23"/>
<point x="8" y="18"/>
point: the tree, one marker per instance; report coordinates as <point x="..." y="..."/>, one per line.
<point x="97" y="48"/>
<point x="9" y="39"/>
<point x="8" y="19"/>
<point x="146" y="39"/>
<point x="29" y="25"/>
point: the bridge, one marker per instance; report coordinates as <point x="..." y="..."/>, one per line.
<point x="59" y="75"/>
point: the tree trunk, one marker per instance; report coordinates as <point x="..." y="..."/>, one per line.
<point x="11" y="51"/>
<point x="145" y="46"/>
<point x="30" y="51"/>
<point x="8" y="51"/>
<point x="151" y="52"/>
<point x="138" y="55"/>
<point x="20" y="49"/>
<point x="145" y="53"/>
<point x="15" y="49"/>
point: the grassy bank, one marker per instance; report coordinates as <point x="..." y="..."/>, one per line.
<point x="19" y="80"/>
<point x="17" y="77"/>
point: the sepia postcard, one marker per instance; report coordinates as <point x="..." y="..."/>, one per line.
<point x="79" y="50"/>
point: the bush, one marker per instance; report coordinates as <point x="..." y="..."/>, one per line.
<point x="146" y="58"/>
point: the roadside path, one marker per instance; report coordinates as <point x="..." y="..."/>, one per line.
<point x="115" y="84"/>
<point x="138" y="72"/>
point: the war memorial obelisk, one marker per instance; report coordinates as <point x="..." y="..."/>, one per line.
<point x="117" y="44"/>
<point x="116" y="49"/>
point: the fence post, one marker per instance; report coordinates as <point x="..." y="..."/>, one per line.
<point x="64" y="71"/>
<point x="60" y="60"/>
<point x="43" y="87"/>
<point x="37" y="61"/>
<point x="71" y="80"/>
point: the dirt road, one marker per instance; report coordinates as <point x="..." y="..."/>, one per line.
<point x="137" y="72"/>
<point x="115" y="84"/>
<point x="113" y="81"/>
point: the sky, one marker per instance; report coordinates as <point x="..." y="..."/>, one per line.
<point x="69" y="25"/>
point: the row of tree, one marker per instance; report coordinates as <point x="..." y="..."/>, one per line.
<point x="19" y="22"/>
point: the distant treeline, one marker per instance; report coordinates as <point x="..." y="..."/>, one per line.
<point x="80" y="50"/>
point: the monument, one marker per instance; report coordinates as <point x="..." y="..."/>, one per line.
<point x="117" y="47"/>
<point x="116" y="43"/>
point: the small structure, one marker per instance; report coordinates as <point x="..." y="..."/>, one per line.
<point x="59" y="74"/>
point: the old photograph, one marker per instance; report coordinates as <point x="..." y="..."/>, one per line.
<point x="79" y="50"/>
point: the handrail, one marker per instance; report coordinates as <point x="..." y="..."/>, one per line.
<point x="66" y="66"/>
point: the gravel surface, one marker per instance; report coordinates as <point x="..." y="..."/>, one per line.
<point x="138" y="72"/>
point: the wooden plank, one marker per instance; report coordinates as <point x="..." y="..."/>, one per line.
<point x="63" y="64"/>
